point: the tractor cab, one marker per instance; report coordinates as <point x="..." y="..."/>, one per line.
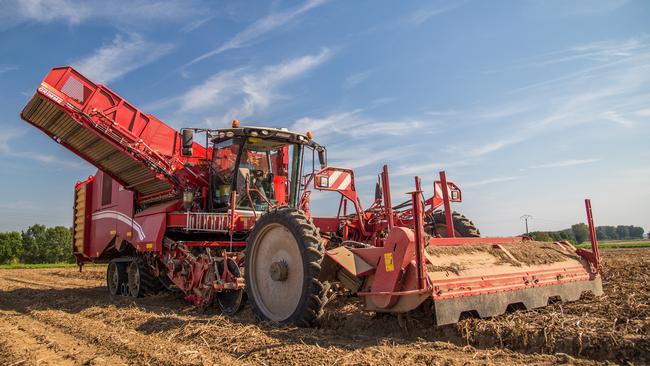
<point x="263" y="166"/>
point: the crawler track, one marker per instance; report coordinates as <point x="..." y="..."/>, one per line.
<point x="61" y="317"/>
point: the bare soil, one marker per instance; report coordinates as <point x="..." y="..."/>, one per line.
<point x="61" y="317"/>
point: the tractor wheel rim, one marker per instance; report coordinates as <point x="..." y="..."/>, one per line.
<point x="276" y="299"/>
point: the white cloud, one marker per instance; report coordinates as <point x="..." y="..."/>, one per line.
<point x="260" y="28"/>
<point x="195" y="24"/>
<point x="353" y="124"/>
<point x="249" y="90"/>
<point x="643" y="112"/>
<point x="423" y="169"/>
<point x="7" y="68"/>
<point x="361" y="156"/>
<point x="6" y="150"/>
<point x="112" y="61"/>
<point x="489" y="181"/>
<point x="618" y="118"/>
<point x="494" y="146"/>
<point x="356" y="79"/>
<point x="560" y="8"/>
<point x="612" y="90"/>
<point x="445" y="113"/>
<point x="74" y="12"/>
<point x="566" y="163"/>
<point x="5" y="137"/>
<point x="423" y="15"/>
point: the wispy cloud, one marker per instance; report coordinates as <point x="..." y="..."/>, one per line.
<point x="248" y="90"/>
<point x="354" y="124"/>
<point x="6" y="150"/>
<point x="565" y="163"/>
<point x="424" y="14"/>
<point x="643" y="112"/>
<point x="495" y="145"/>
<point x="361" y="156"/>
<point x="445" y="113"/>
<point x="5" y="137"/>
<point x="489" y="181"/>
<point x="618" y="118"/>
<point x="612" y="89"/>
<point x="260" y="28"/>
<point x="7" y="68"/>
<point x="357" y="78"/>
<point x="559" y="8"/>
<point x="123" y="55"/>
<point x="74" y="12"/>
<point x="423" y="168"/>
<point x="195" y="24"/>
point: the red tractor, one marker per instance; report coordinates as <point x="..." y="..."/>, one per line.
<point x="232" y="215"/>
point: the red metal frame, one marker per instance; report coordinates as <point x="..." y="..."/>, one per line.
<point x="448" y="216"/>
<point x="396" y="233"/>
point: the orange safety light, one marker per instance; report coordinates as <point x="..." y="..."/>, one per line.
<point x="310" y="135"/>
<point x="235" y="123"/>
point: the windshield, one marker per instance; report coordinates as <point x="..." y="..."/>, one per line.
<point x="261" y="171"/>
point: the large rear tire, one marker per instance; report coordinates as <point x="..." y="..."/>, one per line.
<point x="436" y="225"/>
<point x="281" y="268"/>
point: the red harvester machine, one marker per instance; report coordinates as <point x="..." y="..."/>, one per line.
<point x="231" y="217"/>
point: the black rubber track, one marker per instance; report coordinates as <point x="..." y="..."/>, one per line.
<point x="314" y="292"/>
<point x="464" y="227"/>
<point x="149" y="284"/>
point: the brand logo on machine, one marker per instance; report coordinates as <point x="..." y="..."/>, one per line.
<point x="120" y="217"/>
<point x="45" y="91"/>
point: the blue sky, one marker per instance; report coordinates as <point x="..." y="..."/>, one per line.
<point x="530" y="106"/>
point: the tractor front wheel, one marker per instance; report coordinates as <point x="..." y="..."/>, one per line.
<point x="281" y="267"/>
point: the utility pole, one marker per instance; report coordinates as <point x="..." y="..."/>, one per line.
<point x="525" y="218"/>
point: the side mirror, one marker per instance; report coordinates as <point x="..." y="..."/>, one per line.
<point x="188" y="141"/>
<point x="322" y="158"/>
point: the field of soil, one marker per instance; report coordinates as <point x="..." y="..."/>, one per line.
<point x="59" y="316"/>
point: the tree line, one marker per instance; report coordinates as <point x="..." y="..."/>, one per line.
<point x="579" y="233"/>
<point x="37" y="244"/>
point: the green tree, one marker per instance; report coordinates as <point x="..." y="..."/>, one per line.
<point x="601" y="233"/>
<point x="580" y="232"/>
<point x="34" y="244"/>
<point x="623" y="232"/>
<point x="636" y="232"/>
<point x="541" y="236"/>
<point x="567" y="234"/>
<point x="612" y="234"/>
<point x="10" y="247"/>
<point x="46" y="245"/>
<point x="58" y="247"/>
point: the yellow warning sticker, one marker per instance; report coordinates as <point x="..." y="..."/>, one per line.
<point x="388" y="262"/>
<point x="149" y="245"/>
